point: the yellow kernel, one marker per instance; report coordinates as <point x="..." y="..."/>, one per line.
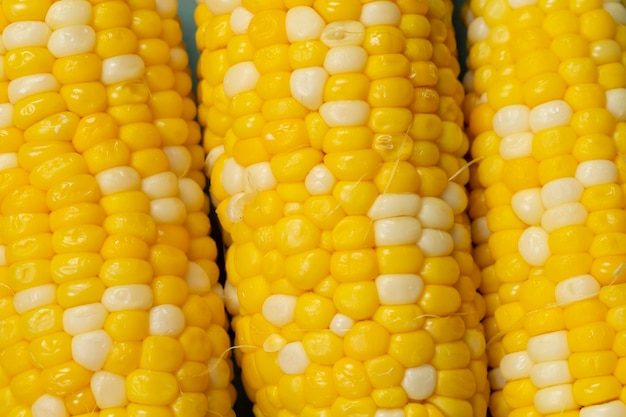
<point x="355" y="198"/>
<point x="351" y="379"/>
<point x="313" y="312"/>
<point x="402" y="177"/>
<point x="432" y="293"/>
<point x="399" y="318"/>
<point x="28" y="61"/>
<point x="323" y="347"/>
<point x="358" y="300"/>
<point x="366" y="340"/>
<point x="592" y="364"/>
<point x="596" y="390"/>
<point x="306" y="54"/>
<point x="272" y="58"/>
<point x="353" y="232"/>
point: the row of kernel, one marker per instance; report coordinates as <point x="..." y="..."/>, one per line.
<point x="32" y="84"/>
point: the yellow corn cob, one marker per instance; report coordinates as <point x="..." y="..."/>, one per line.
<point x="547" y="120"/>
<point x="109" y="293"/>
<point x="335" y="158"/>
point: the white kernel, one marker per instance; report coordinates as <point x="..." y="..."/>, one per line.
<point x="516" y="4"/>
<point x="595" y="172"/>
<point x="480" y="230"/>
<point x="219" y="373"/>
<point x="307" y="86"/>
<point x="455" y="196"/>
<point x="179" y="59"/>
<point x="6" y="115"/>
<point x="178" y="159"/>
<point x="279" y="309"/>
<point x="232" y="177"/>
<point x="48" y="406"/>
<point x="212" y="157"/>
<point x="84" y="318"/>
<point x="546" y="374"/>
<point x="274" y="343"/>
<point x="258" y="177"/>
<point x="511" y="119"/>
<point x="68" y="13"/>
<point x="400" y="230"/>
<point x="561" y="191"/>
<point x="231" y="299"/>
<point x="420" y="382"/>
<point x="616" y="99"/>
<point x="319" y="180"/>
<point x="167" y="8"/>
<point x="548" y="346"/>
<point x="342" y="59"/>
<point x="468" y="80"/>
<point x="516" y="365"/>
<point x="550" y="114"/>
<point x="3" y="258"/>
<point x="72" y="40"/>
<point x="31" y="84"/>
<point x="26" y="33"/>
<point x="292" y="359"/>
<point x="122" y="68"/>
<point x="496" y="380"/>
<point x="380" y="13"/>
<point x="168" y="210"/>
<point x="563" y="215"/>
<point x="219" y="7"/>
<point x="516" y="145"/>
<point x="528" y="206"/>
<point x="240" y="20"/>
<point x="393" y="205"/>
<point x="127" y="297"/>
<point x="614" y="408"/>
<point x="191" y="194"/>
<point x="341" y="324"/>
<point x="461" y="237"/>
<point x="166" y="320"/>
<point x="533" y="246"/>
<point x="303" y="23"/>
<point x="8" y="160"/>
<point x="434" y="242"/>
<point x="435" y="213"/>
<point x="576" y="288"/>
<point x="345" y="113"/>
<point x="163" y="184"/>
<point x="90" y="349"/>
<point x="477" y="30"/>
<point x="34" y="297"/>
<point x="197" y="279"/>
<point x="555" y="399"/>
<point x="118" y="179"/>
<point x="242" y="76"/>
<point x="235" y="206"/>
<point x="475" y="341"/>
<point x="108" y="389"/>
<point x="395" y="289"/>
<point x="343" y="33"/>
<point x="617" y="12"/>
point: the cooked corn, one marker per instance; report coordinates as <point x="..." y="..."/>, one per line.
<point x="547" y="119"/>
<point x="110" y="302"/>
<point x="335" y="161"/>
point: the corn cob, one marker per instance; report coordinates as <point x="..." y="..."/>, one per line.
<point x="110" y="302"/>
<point x="547" y="120"/>
<point x="335" y="159"/>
